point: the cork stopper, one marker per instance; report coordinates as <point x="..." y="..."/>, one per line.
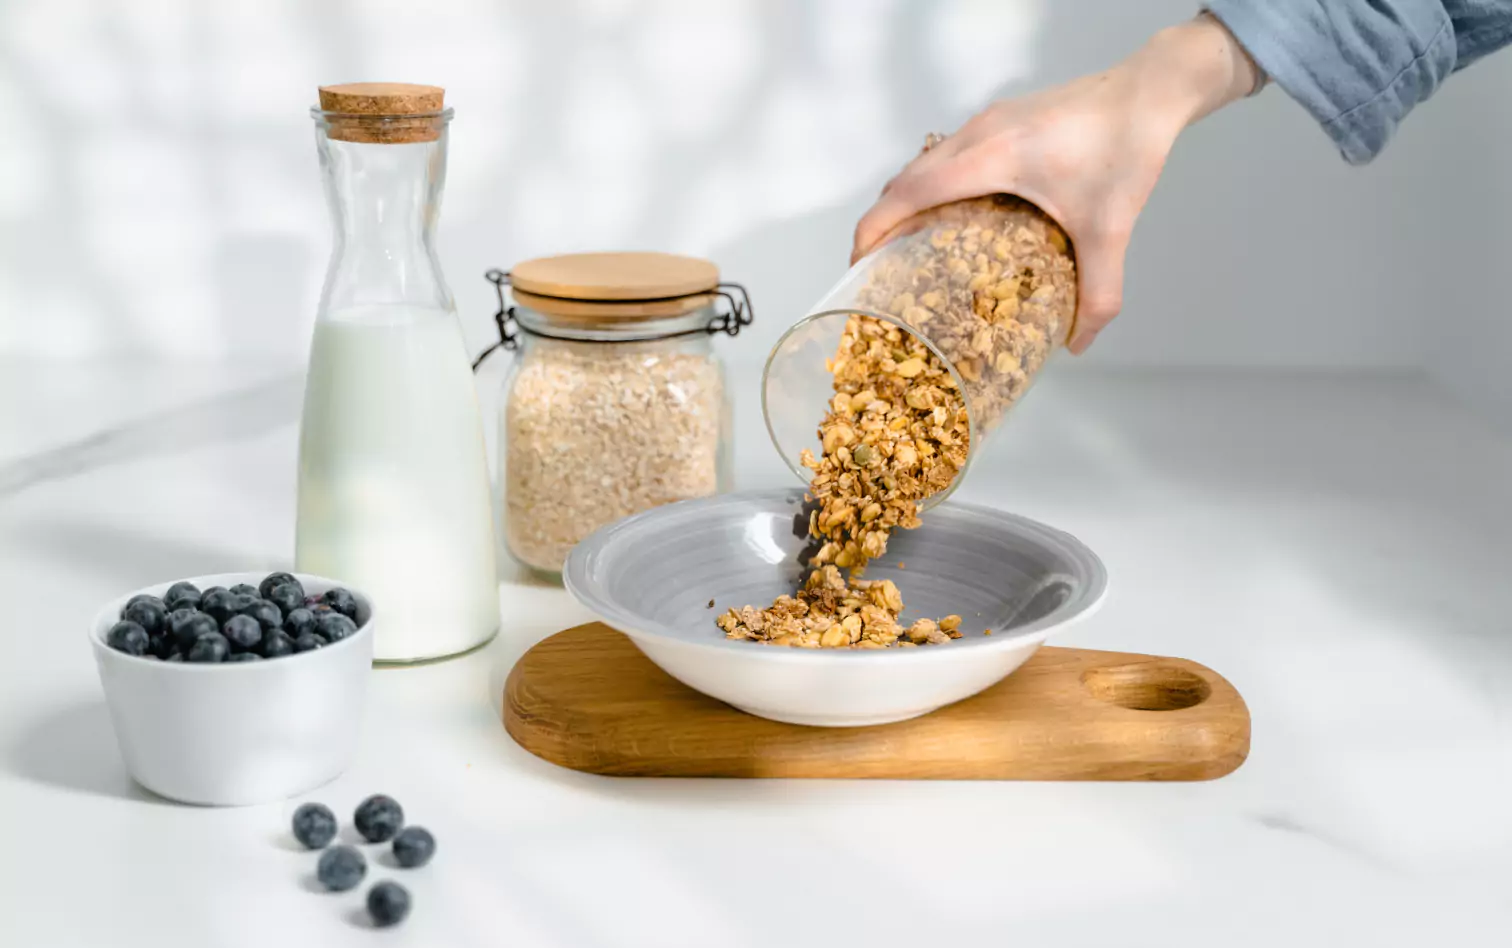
<point x="383" y="113"/>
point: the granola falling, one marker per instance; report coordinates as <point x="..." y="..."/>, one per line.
<point x="991" y="282"/>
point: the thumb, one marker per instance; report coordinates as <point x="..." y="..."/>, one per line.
<point x="1100" y="278"/>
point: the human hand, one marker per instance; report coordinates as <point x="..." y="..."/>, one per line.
<point x="1088" y="153"/>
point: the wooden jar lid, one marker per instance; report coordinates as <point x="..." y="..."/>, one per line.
<point x="383" y="113"/>
<point x="615" y="276"/>
<point x="606" y="287"/>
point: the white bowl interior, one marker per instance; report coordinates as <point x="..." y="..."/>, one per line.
<point x="653" y="574"/>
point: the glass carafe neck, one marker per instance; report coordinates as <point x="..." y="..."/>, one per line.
<point x="385" y="199"/>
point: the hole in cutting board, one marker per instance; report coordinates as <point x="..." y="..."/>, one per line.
<point x="1146" y="687"/>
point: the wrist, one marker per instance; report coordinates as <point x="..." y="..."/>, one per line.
<point x="1193" y="69"/>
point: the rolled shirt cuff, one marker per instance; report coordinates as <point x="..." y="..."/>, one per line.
<point x="1358" y="68"/>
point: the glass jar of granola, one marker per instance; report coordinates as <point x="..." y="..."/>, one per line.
<point x="882" y="394"/>
<point x="616" y="401"/>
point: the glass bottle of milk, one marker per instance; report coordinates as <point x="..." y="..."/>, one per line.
<point x="393" y="483"/>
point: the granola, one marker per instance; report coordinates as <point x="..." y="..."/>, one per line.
<point x="991" y="282"/>
<point x="829" y="612"/>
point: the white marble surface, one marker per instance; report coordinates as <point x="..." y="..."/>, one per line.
<point x="1338" y="547"/>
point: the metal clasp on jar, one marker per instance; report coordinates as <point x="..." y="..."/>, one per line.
<point x="738" y="314"/>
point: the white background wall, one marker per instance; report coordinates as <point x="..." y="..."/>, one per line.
<point x="159" y="192"/>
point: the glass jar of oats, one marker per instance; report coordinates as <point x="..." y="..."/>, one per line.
<point x="911" y="362"/>
<point x="616" y="401"/>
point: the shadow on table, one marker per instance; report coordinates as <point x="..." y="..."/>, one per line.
<point x="230" y="416"/>
<point x="73" y="748"/>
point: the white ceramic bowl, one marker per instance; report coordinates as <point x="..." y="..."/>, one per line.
<point x="652" y="575"/>
<point x="237" y="733"/>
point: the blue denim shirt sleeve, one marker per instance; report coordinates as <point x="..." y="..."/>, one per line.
<point x="1359" y="66"/>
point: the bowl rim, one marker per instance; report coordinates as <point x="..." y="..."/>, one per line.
<point x="110" y="614"/>
<point x="1091" y="594"/>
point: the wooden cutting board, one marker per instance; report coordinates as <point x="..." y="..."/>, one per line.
<point x="588" y="699"/>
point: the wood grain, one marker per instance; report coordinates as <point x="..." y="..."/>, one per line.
<point x="587" y="699"/>
<point x="615" y="276"/>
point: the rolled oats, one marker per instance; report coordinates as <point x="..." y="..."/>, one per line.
<point x="594" y="432"/>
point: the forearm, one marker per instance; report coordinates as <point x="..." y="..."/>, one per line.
<point x="1192" y="69"/>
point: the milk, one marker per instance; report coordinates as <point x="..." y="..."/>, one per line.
<point x="393" y="485"/>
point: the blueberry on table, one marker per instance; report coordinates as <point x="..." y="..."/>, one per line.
<point x="277" y="645"/>
<point x="180" y="595"/>
<point x="243" y="589"/>
<point x="309" y="642"/>
<point x="244" y="657"/>
<point x="414" y="847"/>
<point x="334" y="626"/>
<point x="209" y="648"/>
<point x="388" y="903"/>
<point x="244" y="632"/>
<point x="299" y="622"/>
<point x="186" y="626"/>
<point x="147" y="613"/>
<point x="128" y="636"/>
<point x="314" y="825"/>
<point x="267" y="615"/>
<point x="342" y="601"/>
<point x="378" y="818"/>
<point x="340" y="868"/>
<point x="287" y="597"/>
<point x="274" y="580"/>
<point x="217" y="604"/>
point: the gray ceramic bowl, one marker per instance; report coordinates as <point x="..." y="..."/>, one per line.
<point x="652" y="575"/>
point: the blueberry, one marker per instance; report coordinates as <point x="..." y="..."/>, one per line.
<point x="388" y="903"/>
<point x="147" y="613"/>
<point x="274" y="580"/>
<point x="334" y="626"/>
<point x="342" y="601"/>
<point x="209" y="648"/>
<point x="242" y="589"/>
<point x="277" y="645"/>
<point x="217" y="603"/>
<point x="244" y="632"/>
<point x="175" y="657"/>
<point x="299" y="622"/>
<point x="161" y="646"/>
<point x="186" y="626"/>
<point x="287" y="597"/>
<point x="266" y="614"/>
<point x="340" y="868"/>
<point x="308" y="642"/>
<point x="378" y="818"/>
<point x="314" y="825"/>
<point x="244" y="657"/>
<point x="240" y="602"/>
<point x="180" y="595"/>
<point x="128" y="636"/>
<point x="414" y="847"/>
<point x="140" y="597"/>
